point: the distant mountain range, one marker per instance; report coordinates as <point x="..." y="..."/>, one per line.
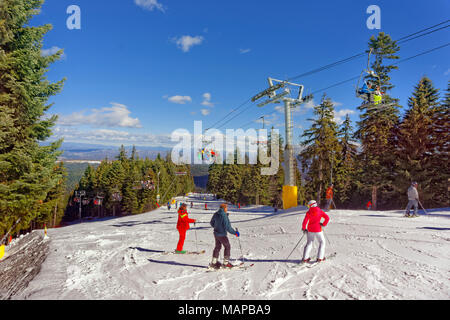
<point x="97" y="152"/>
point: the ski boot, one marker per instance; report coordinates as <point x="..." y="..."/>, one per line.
<point x="226" y="264"/>
<point x="305" y="261"/>
<point x="180" y="252"/>
<point x="320" y="260"/>
<point x="215" y="264"/>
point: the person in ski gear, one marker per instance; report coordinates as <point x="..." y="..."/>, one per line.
<point x="413" y="200"/>
<point x="183" y="227"/>
<point x="366" y="91"/>
<point x="313" y="228"/>
<point x="221" y="224"/>
<point x="168" y="205"/>
<point x="377" y="96"/>
<point x="192" y="204"/>
<point x="369" y="205"/>
<point x="329" y="196"/>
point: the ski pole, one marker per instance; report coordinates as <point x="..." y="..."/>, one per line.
<point x="196" y="242"/>
<point x="296" y="247"/>
<point x="328" y="240"/>
<point x="239" y="240"/>
<point x="422" y="207"/>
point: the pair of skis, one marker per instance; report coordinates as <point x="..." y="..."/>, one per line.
<point x="240" y="266"/>
<point x="311" y="264"/>
<point x="186" y="253"/>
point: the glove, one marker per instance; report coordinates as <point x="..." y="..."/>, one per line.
<point x="305" y="231"/>
<point x="237" y="234"/>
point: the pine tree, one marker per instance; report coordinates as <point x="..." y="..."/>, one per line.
<point x="375" y="130"/>
<point x="321" y="149"/>
<point x="27" y="170"/>
<point x="346" y="183"/>
<point x="214" y="175"/>
<point x="275" y="182"/>
<point x="440" y="170"/>
<point x="414" y="139"/>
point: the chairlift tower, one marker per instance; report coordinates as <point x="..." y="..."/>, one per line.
<point x="290" y="189"/>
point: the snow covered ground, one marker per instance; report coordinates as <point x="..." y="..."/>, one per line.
<point x="380" y="255"/>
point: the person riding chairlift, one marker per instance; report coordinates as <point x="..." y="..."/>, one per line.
<point x="371" y="95"/>
<point x="377" y="96"/>
<point x="366" y="91"/>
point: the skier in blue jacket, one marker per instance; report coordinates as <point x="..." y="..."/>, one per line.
<point x="222" y="225"/>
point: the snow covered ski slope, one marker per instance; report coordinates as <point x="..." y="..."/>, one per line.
<point x="380" y="255"/>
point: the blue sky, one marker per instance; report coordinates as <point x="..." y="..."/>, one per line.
<point x="139" y="69"/>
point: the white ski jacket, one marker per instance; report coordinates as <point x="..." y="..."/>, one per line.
<point x="412" y="193"/>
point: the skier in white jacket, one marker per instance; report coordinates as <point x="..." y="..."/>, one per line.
<point x="413" y="200"/>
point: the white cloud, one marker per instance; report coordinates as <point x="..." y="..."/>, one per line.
<point x="337" y="104"/>
<point x="207" y="100"/>
<point x="205" y="112"/>
<point x="244" y="51"/>
<point x="150" y="5"/>
<point x="341" y="114"/>
<point x="280" y="109"/>
<point x="446" y="73"/>
<point x="52" y="51"/>
<point x="309" y="105"/>
<point x="179" y="99"/>
<point x="185" y="43"/>
<point x="117" y="115"/>
<point x="268" y="120"/>
<point x="111" y="137"/>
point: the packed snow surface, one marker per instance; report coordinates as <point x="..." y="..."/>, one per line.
<point x="380" y="255"/>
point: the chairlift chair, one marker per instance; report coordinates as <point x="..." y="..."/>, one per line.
<point x="371" y="94"/>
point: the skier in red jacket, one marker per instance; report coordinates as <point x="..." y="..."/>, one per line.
<point x="313" y="227"/>
<point x="183" y="227"/>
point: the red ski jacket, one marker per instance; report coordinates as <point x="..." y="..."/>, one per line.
<point x="183" y="220"/>
<point x="312" y="219"/>
<point x="329" y="193"/>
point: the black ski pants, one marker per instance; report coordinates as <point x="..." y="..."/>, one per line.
<point x="222" y="241"/>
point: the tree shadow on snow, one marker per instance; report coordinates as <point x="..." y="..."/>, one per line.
<point x="147" y="250"/>
<point x="174" y="263"/>
<point x="135" y="223"/>
<point x="434" y="228"/>
<point x="271" y="260"/>
<point x="375" y="215"/>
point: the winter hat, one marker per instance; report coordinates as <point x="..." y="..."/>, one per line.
<point x="312" y="204"/>
<point x="414" y="183"/>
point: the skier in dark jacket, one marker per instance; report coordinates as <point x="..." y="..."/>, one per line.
<point x="222" y="225"/>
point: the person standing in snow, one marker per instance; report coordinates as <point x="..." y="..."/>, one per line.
<point x="329" y="195"/>
<point x="413" y="200"/>
<point x="183" y="227"/>
<point x="313" y="228"/>
<point x="221" y="224"/>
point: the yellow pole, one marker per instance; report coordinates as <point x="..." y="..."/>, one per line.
<point x="290" y="194"/>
